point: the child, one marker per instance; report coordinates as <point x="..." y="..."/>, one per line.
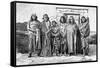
<point x="55" y="38"/>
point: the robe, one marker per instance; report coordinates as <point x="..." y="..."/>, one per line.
<point x="85" y="31"/>
<point x="71" y="37"/>
<point x="78" y="42"/>
<point x="46" y="46"/>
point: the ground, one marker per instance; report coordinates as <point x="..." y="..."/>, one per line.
<point x="22" y="59"/>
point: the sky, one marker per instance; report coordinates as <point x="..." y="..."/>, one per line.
<point x="24" y="11"/>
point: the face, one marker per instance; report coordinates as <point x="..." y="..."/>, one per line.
<point x="33" y="17"/>
<point x="70" y="20"/>
<point x="62" y="20"/>
<point x="83" y="19"/>
<point x="53" y="23"/>
<point x="45" y="18"/>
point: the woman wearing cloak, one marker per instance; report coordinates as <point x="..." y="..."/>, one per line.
<point x="46" y="46"/>
<point x="85" y="31"/>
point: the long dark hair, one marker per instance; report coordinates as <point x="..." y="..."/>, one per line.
<point x="84" y="18"/>
<point x="46" y="15"/>
<point x="31" y="19"/>
<point x="64" y="19"/>
<point x="72" y="19"/>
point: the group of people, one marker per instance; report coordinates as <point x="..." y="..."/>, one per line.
<point x="48" y="38"/>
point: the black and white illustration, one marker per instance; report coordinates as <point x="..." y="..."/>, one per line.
<point x="55" y="34"/>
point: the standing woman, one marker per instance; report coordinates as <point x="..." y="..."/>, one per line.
<point x="85" y="31"/>
<point x="71" y="35"/>
<point x="63" y="32"/>
<point x="34" y="27"/>
<point x="46" y="46"/>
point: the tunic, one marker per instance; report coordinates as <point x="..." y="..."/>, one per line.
<point x="55" y="39"/>
<point x="34" y="36"/>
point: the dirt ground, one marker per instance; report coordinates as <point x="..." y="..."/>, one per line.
<point x="22" y="59"/>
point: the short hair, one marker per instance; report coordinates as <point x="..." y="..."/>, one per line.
<point x="64" y="19"/>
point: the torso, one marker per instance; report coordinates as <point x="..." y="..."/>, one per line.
<point x="71" y="28"/>
<point x="45" y="26"/>
<point x="34" y="25"/>
<point x="55" y="31"/>
<point x="63" y="29"/>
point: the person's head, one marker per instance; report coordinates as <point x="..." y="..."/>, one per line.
<point x="62" y="19"/>
<point x="83" y="19"/>
<point x="54" y="23"/>
<point x="33" y="17"/>
<point x="45" y="17"/>
<point x="71" y="20"/>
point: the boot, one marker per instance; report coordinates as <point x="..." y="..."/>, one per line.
<point x="30" y="55"/>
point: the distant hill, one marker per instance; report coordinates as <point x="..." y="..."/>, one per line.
<point x="21" y="37"/>
<point x="92" y="32"/>
<point x="21" y="26"/>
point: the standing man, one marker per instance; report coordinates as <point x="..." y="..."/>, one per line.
<point x="34" y="35"/>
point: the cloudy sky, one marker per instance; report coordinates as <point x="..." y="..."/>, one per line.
<point x="25" y="10"/>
